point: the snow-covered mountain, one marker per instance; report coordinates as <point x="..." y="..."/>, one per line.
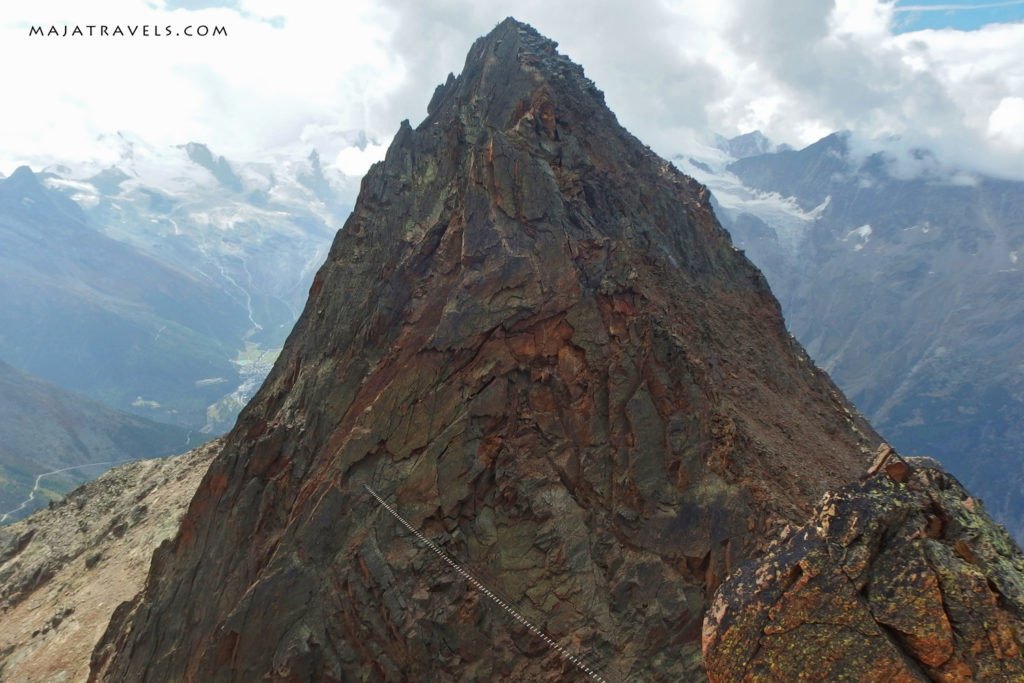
<point x="257" y="230"/>
<point x="902" y="278"/>
<point x="249" y="234"/>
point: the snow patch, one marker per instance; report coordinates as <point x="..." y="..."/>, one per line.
<point x="784" y="214"/>
<point x="863" y="234"/>
<point x="86" y="201"/>
<point x="75" y="186"/>
<point x="925" y="227"/>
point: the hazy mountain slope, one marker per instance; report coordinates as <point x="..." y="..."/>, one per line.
<point x="103" y="319"/>
<point x="255" y="231"/>
<point x="905" y="285"/>
<point x="44" y="428"/>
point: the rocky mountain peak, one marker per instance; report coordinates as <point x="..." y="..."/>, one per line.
<point x="512" y="66"/>
<point x="749" y="144"/>
<point x="533" y="344"/>
<point x="218" y="166"/>
<point x="23" y="174"/>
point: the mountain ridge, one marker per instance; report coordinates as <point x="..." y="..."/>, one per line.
<point x="65" y="569"/>
<point x="533" y="338"/>
<point x="48" y="429"/>
<point x="903" y="285"/>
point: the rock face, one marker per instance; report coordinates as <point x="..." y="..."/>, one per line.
<point x="65" y="569"/>
<point x="533" y="340"/>
<point x="902" y="577"/>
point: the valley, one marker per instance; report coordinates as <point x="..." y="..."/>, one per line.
<point x="150" y="286"/>
<point x="536" y="404"/>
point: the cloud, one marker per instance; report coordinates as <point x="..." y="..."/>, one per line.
<point x="253" y="89"/>
<point x="1006" y="123"/>
<point x="673" y="72"/>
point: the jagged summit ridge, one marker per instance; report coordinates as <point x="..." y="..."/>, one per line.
<point x="538" y="61"/>
<point x="532" y="339"/>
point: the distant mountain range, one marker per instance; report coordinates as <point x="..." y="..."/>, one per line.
<point x="903" y="280"/>
<point x="256" y="231"/>
<point x="159" y="282"/>
<point x="102" y="318"/>
<point x="164" y="283"/>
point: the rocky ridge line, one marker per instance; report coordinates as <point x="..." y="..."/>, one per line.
<point x="900" y="577"/>
<point x="533" y="339"/>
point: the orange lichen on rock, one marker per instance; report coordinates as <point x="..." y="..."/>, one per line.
<point x="874" y="589"/>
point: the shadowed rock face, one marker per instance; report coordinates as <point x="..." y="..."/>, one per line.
<point x="535" y="341"/>
<point x="902" y="577"/>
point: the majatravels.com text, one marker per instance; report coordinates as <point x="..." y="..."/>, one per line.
<point x="133" y="30"/>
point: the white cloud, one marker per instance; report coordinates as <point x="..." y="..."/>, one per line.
<point x="256" y="88"/>
<point x="672" y="71"/>
<point x="355" y="161"/>
<point x="1006" y="122"/>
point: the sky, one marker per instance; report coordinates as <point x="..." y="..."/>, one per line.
<point x="946" y="76"/>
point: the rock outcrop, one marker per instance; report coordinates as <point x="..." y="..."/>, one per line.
<point x="901" y="577"/>
<point x="534" y="341"/>
<point x="65" y="569"/>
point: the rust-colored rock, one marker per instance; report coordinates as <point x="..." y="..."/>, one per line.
<point x="533" y="339"/>
<point x="890" y="580"/>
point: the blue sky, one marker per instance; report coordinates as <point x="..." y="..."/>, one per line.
<point x="915" y="15"/>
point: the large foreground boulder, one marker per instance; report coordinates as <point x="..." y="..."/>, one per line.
<point x="901" y="577"/>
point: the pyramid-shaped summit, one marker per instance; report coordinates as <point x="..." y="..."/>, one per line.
<point x="533" y="341"/>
